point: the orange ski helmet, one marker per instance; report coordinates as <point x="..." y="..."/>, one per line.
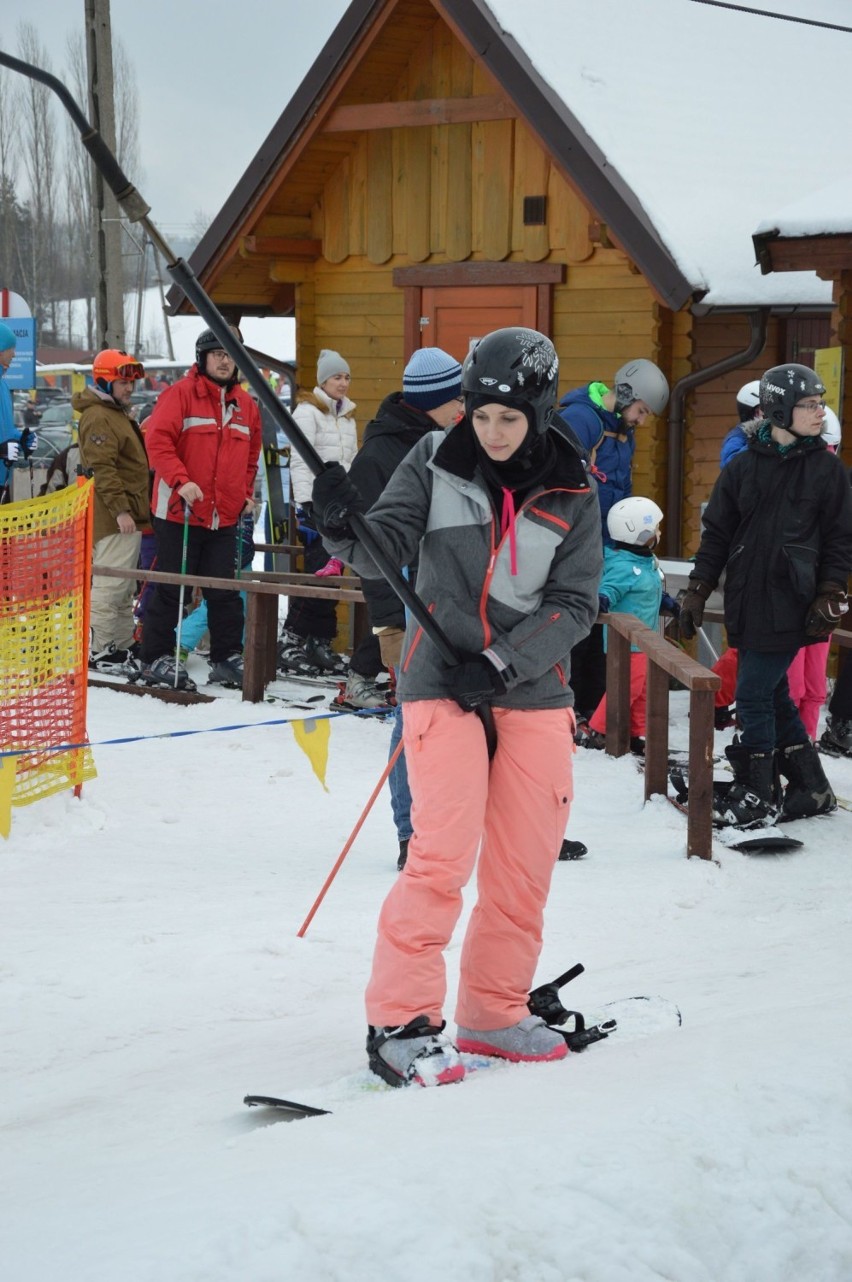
<point x="111" y="364"/>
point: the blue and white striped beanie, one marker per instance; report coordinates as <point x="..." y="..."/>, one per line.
<point x="431" y="378"/>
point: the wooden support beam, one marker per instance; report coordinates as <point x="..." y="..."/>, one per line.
<point x="419" y="113"/>
<point x="477" y="273"/>
<point x="280" y="247"/>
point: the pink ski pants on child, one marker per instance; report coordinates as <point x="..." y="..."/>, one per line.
<point x="517" y="807"/>
<point x="638" y="699"/>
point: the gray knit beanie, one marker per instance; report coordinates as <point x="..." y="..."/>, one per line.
<point x="329" y="364"/>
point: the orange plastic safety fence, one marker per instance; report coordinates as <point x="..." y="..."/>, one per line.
<point x="45" y="569"/>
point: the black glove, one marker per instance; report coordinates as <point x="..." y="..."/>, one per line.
<point x="474" y="680"/>
<point x="692" y="608"/>
<point x="29" y="440"/>
<point x="335" y="499"/>
<point x="826" y="610"/>
<point x="603" y="604"/>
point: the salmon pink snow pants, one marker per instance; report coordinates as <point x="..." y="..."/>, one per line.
<point x="513" y="811"/>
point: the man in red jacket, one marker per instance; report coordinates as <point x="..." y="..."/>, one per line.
<point x="203" y="440"/>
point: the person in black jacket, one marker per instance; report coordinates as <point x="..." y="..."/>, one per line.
<point x="779" y="523"/>
<point x="430" y="398"/>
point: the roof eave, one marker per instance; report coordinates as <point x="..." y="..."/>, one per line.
<point x="281" y="137"/>
<point x="826" y="253"/>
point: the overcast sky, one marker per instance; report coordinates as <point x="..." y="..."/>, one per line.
<point x="213" y="77"/>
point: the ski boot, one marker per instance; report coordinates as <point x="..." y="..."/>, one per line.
<point x="414" y="1054"/>
<point x="363" y="692"/>
<point x="161" y="672"/>
<point x="808" y="792"/>
<point x="836" y="738"/>
<point x="292" y="657"/>
<point x="227" y="672"/>
<point x="320" y="653"/>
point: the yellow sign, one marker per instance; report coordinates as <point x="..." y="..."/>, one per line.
<point x="828" y="366"/>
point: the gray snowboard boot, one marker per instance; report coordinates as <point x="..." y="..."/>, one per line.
<point x="414" y="1054"/>
<point x="530" y="1041"/>
<point x="808" y="792"/>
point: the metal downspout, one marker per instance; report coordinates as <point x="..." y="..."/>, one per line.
<point x="759" y="322"/>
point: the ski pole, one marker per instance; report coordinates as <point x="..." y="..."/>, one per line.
<point x="353" y="834"/>
<point x="137" y="209"/>
<point x="708" y="643"/>
<point x="182" y="591"/>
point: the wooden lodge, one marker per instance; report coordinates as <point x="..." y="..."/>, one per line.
<point x="426" y="184"/>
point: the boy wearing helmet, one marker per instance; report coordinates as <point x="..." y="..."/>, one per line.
<point x="111" y="448"/>
<point x="505" y="523"/>
<point x="779" y="522"/>
<point x="749" y="412"/>
<point x="632" y="583"/>
<point x="605" y="420"/>
<point x="203" y="440"/>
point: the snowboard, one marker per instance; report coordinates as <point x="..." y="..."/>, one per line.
<point x="626" y="1020"/>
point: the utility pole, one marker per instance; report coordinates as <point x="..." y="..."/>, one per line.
<point x="109" y="290"/>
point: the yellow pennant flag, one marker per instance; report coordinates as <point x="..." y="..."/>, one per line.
<point x="7" y="787"/>
<point x="312" y="737"/>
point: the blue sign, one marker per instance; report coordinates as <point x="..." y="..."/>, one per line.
<point x="21" y="375"/>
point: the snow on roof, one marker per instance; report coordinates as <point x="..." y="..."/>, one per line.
<point x="712" y="116"/>
<point x="819" y="211"/>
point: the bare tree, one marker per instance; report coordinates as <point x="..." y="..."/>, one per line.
<point x="9" y="208"/>
<point x="39" y="155"/>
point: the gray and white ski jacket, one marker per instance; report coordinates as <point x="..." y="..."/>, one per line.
<point x="527" y="622"/>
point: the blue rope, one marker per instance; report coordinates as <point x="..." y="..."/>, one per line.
<point x="181" y="734"/>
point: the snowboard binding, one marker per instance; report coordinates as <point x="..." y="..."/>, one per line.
<point x="546" y="1003"/>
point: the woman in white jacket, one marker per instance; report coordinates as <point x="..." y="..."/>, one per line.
<point x="326" y="417"/>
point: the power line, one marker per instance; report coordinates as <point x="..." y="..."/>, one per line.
<point x="769" y="13"/>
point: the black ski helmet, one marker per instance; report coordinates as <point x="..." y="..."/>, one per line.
<point x="517" y="366"/>
<point x="206" y="342"/>
<point x="782" y="387"/>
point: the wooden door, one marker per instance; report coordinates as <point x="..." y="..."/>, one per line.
<point x="452" y="316"/>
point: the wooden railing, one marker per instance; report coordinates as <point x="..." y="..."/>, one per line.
<point x="263" y="590"/>
<point x="664" y="661"/>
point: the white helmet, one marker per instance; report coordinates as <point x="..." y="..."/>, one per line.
<point x="831" y="428"/>
<point x="634" y="520"/>
<point x="641" y="380"/>
<point x="748" y="399"/>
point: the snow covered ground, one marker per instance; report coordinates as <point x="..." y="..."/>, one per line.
<point x="151" y="976"/>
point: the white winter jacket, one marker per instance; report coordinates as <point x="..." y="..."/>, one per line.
<point x="332" y="434"/>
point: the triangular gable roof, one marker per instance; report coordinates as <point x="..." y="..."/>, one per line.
<point x="647" y="105"/>
<point x="709" y="114"/>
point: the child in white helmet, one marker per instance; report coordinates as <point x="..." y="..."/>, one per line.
<point x="632" y="583"/>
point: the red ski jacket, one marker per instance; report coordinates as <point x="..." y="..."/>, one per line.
<point x="202" y="432"/>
